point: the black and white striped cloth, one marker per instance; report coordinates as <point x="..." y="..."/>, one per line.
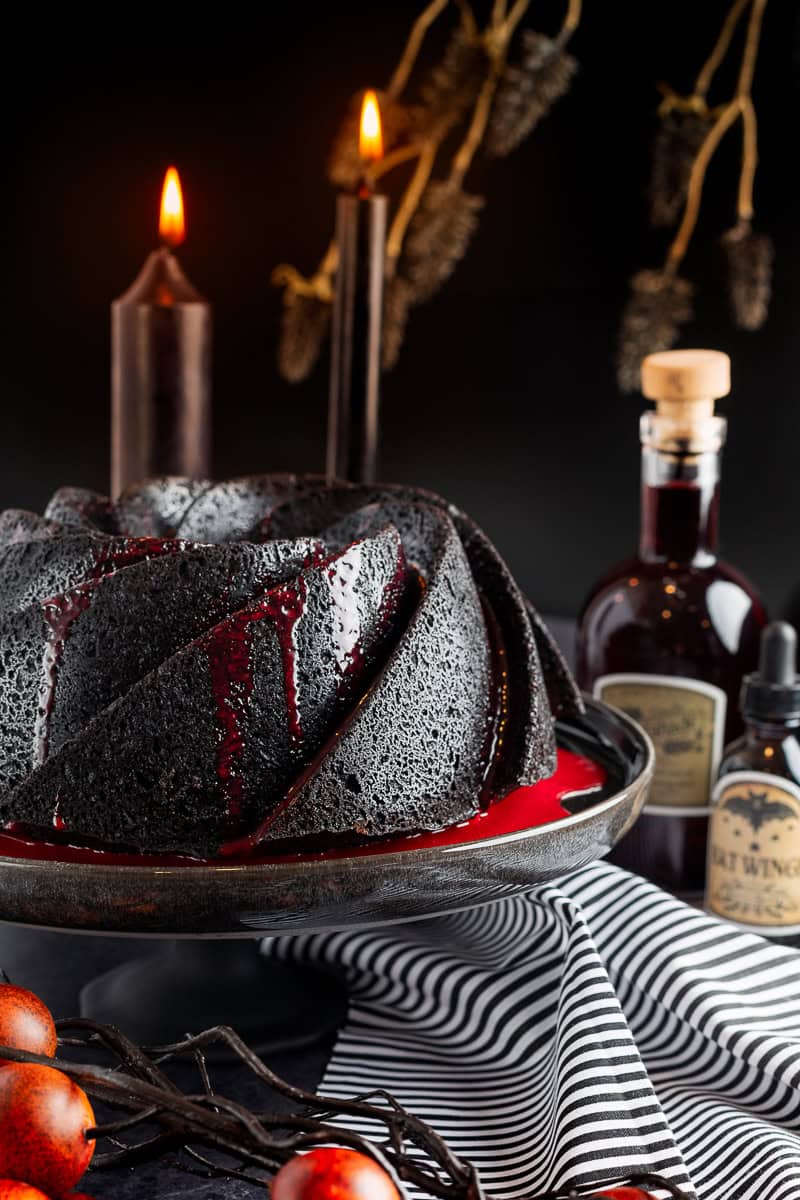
<point x="593" y="1028"/>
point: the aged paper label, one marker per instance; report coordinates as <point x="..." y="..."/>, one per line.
<point x="686" y="719"/>
<point x="754" y="851"/>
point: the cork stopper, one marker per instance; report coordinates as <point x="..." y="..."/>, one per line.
<point x="684" y="385"/>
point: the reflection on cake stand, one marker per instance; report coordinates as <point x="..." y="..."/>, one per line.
<point x="214" y="979"/>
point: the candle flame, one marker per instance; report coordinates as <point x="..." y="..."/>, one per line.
<point x="171" y="223"/>
<point x="370" y="138"/>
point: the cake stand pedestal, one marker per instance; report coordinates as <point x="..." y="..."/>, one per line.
<point x="218" y="979"/>
<point x="192" y="985"/>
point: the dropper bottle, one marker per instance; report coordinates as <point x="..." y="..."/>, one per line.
<point x="754" y="829"/>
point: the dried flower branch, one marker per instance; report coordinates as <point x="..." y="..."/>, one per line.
<point x="697" y="176"/>
<point x="304" y="328"/>
<point x="528" y="91"/>
<point x="749" y="256"/>
<point x="720" y="49"/>
<point x="684" y="151"/>
<point x="442" y="226"/>
<point x="659" y="304"/>
<point x="412" y="198"/>
<point x="452" y="85"/>
<point x="471" y="81"/>
<point x="306" y="316"/>
<point x="685" y="122"/>
<point x="728" y="115"/>
<point x="409" y="56"/>
<point x="679" y="137"/>
<point x="228" y="1140"/>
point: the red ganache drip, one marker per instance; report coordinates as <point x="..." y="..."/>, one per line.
<point x="243" y="847"/>
<point x="231" y="685"/>
<point x="229" y="649"/>
<point x="58" y="820"/>
<point x="525" y="808"/>
<point x="285" y="606"/>
<point x="109" y="557"/>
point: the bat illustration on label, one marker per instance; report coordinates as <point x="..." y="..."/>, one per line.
<point x="757" y="809"/>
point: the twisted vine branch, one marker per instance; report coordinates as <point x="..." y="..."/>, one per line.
<point x="305" y="324"/>
<point x="740" y="107"/>
<point x="419" y="29"/>
<point x="161" y="1119"/>
<point x="690" y="136"/>
<point x="715" y="58"/>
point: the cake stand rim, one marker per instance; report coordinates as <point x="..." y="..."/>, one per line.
<point x="284" y="869"/>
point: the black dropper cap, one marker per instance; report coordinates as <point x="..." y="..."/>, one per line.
<point x="773" y="693"/>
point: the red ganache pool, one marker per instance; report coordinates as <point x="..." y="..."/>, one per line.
<point x="524" y="808"/>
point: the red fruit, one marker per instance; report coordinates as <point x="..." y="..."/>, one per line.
<point x="624" y="1193"/>
<point x="25" y="1023"/>
<point x="331" y="1173"/>
<point x="12" y="1189"/>
<point x="43" y="1121"/>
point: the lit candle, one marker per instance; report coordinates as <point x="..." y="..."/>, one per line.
<point x="358" y="317"/>
<point x="161" y="364"/>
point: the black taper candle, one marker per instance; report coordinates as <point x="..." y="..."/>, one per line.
<point x="161" y="371"/>
<point x="357" y="327"/>
<point x="354" y="414"/>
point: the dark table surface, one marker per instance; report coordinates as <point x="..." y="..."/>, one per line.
<point x="57" y="965"/>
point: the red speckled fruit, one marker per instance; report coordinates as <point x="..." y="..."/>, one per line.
<point x="624" y="1193"/>
<point x="331" y="1173"/>
<point x="12" y="1189"/>
<point x="43" y="1121"/>
<point x="25" y="1023"/>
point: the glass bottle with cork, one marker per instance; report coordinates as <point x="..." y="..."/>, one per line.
<point x="754" y="828"/>
<point x="668" y="634"/>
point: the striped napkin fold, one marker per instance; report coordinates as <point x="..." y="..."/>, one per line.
<point x="594" y="1028"/>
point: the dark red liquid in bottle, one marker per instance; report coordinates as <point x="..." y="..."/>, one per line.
<point x="677" y="611"/>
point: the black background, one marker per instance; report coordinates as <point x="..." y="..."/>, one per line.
<point x="505" y="397"/>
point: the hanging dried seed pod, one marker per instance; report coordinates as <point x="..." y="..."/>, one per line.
<point x="438" y="237"/>
<point x="304" y="328"/>
<point x="527" y="91"/>
<point x="679" y="137"/>
<point x="452" y="86"/>
<point x="436" y="241"/>
<point x="659" y="303"/>
<point x="748" y="258"/>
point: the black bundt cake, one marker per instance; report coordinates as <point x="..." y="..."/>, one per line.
<point x="205" y="667"/>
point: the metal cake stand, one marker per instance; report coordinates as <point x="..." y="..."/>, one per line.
<point x="209" y="977"/>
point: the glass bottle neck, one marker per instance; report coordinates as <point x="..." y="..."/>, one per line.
<point x="760" y="732"/>
<point x="680" y="506"/>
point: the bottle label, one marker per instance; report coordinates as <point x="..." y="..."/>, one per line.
<point x="686" y="720"/>
<point x="754" y="852"/>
